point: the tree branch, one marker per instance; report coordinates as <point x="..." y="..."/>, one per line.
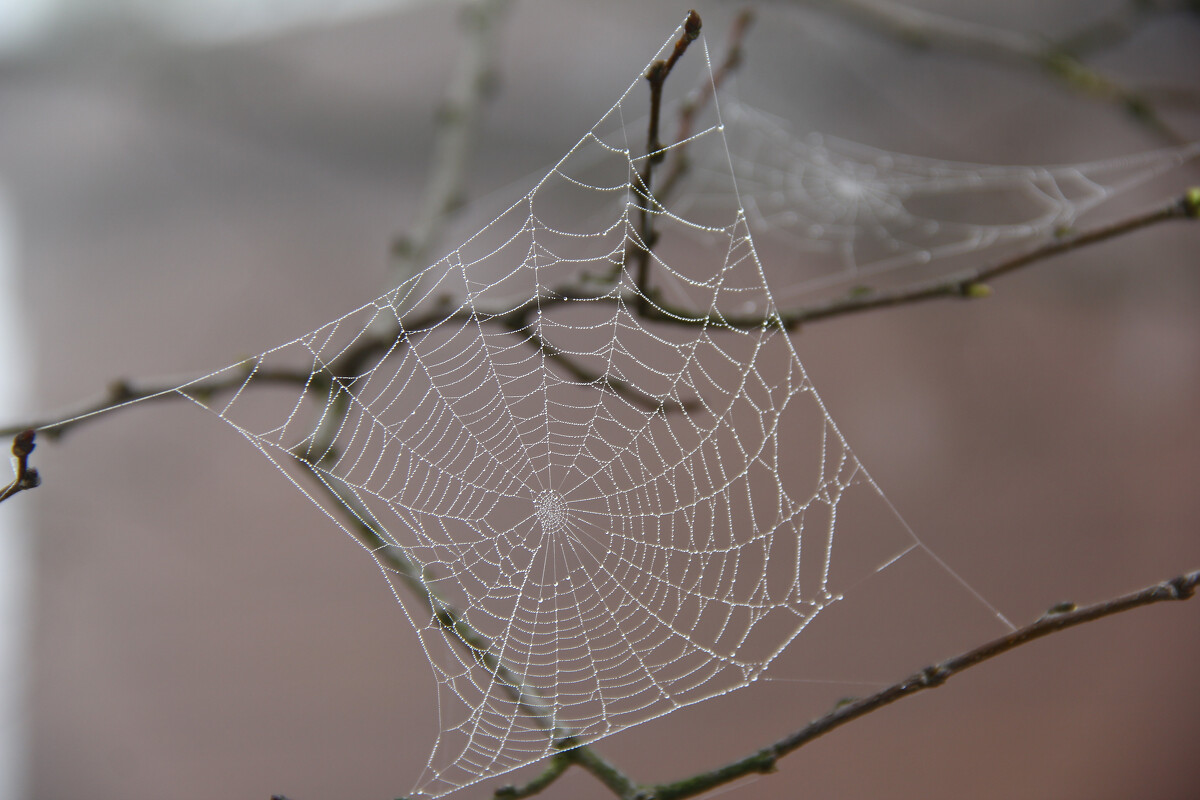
<point x="702" y="96"/>
<point x="1059" y="618"/>
<point x="656" y="75"/>
<point x="472" y="84"/>
<point x="969" y="284"/>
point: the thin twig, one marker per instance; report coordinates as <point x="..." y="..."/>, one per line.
<point x="121" y="393"/>
<point x="1057" y="619"/>
<point x="364" y="527"/>
<point x="471" y="85"/>
<point x="446" y="191"/>
<point x="586" y="377"/>
<point x="927" y="29"/>
<point x="606" y="773"/>
<point x="656" y="75"/>
<point x="702" y="96"/>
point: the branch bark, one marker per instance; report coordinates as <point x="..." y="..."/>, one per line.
<point x="1058" y="619"/>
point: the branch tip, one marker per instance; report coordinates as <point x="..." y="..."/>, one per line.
<point x="25" y="476"/>
<point x="1191" y="202"/>
<point x="23" y="443"/>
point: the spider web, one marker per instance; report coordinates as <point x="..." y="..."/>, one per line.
<point x="838" y="216"/>
<point x="596" y="500"/>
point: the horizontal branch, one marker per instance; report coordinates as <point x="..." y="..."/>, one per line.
<point x="121" y="393"/>
<point x="967" y="284"/>
<point x="971" y="283"/>
<point x="1059" y="618"/>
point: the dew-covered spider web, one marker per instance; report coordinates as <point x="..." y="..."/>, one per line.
<point x="839" y="217"/>
<point x="585" y="457"/>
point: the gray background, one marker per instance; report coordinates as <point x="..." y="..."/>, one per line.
<point x="201" y="631"/>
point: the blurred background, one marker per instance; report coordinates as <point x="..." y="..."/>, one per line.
<point x="183" y="184"/>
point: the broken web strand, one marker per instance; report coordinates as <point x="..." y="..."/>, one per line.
<point x="575" y="557"/>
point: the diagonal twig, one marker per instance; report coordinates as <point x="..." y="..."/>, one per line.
<point x="656" y="75"/>
<point x="704" y="94"/>
<point x="1058" y="619"/>
<point x="471" y="85"/>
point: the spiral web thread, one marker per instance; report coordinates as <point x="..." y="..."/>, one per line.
<point x="591" y="515"/>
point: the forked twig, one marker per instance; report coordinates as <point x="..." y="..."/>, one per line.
<point x="656" y="75"/>
<point x="971" y="283"/>
<point x="702" y="96"/>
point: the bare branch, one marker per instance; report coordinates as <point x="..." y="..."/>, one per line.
<point x="367" y="530"/>
<point x="964" y="285"/>
<point x="702" y="96"/>
<point x="968" y="284"/>
<point x="606" y="773"/>
<point x="122" y="393"/>
<point x="557" y="765"/>
<point x="656" y="75"/>
<point x="471" y="85"/>
<point x="586" y="377"/>
<point x="1058" y="619"/>
<point x="363" y="525"/>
